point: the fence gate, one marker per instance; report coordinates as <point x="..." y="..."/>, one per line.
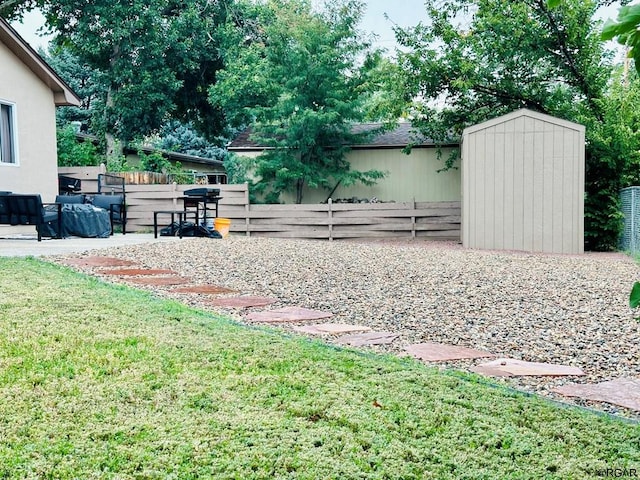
<point x="630" y="200"/>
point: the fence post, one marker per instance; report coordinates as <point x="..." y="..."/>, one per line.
<point x="174" y="188"/>
<point x="413" y="220"/>
<point x="247" y="210"/>
<point x="330" y="213"/>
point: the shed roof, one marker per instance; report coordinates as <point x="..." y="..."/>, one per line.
<point x="523" y="112"/>
<point x="63" y="94"/>
<point x="399" y="137"/>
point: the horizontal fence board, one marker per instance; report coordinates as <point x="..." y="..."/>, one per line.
<point x="436" y="226"/>
<point x="304" y="235"/>
<point x="369" y="234"/>
<point x="439" y="219"/>
<point x="337" y="207"/>
<point x="286" y="214"/>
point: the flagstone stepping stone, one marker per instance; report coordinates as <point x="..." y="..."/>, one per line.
<point x="624" y="392"/>
<point x="98" y="262"/>
<point x="370" y="338"/>
<point x="206" y="289"/>
<point x="331" y="328"/>
<point x="440" y="352"/>
<point x="159" y="281"/>
<point x="509" y="367"/>
<point x="288" y="314"/>
<point x="245" y="301"/>
<point x="125" y="272"/>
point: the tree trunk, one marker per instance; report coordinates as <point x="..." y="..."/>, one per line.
<point x="299" y="187"/>
<point x="113" y="147"/>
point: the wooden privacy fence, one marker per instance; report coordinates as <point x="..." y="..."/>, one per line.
<point x="364" y="220"/>
<point x="437" y="220"/>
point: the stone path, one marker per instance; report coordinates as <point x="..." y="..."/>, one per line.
<point x="509" y="367"/>
<point x="624" y="392"/>
<point x="439" y="352"/>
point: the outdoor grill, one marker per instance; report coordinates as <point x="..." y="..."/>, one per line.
<point x="68" y="185"/>
<point x="204" y="200"/>
<point x="203" y="192"/>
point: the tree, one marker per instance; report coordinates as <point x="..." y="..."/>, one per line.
<point x="156" y="59"/>
<point x="476" y="60"/>
<point x="183" y="138"/>
<point x="626" y="28"/>
<point x="87" y="82"/>
<point x="299" y="77"/>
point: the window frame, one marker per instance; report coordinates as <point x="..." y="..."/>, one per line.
<point x="13" y="134"/>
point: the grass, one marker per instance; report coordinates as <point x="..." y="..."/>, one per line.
<point x="103" y="381"/>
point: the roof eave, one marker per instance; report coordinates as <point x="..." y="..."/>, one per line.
<point x="63" y="94"/>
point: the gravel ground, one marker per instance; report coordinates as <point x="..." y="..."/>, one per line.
<point x="544" y="308"/>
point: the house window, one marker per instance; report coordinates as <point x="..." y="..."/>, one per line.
<point x="7" y="134"/>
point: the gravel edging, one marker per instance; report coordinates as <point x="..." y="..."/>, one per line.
<point x="544" y="308"/>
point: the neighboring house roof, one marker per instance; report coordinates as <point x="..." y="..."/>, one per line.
<point x="179" y="157"/>
<point x="399" y="137"/>
<point x="63" y="95"/>
<point x="175" y="156"/>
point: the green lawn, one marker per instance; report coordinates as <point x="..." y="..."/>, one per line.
<point x="102" y="381"/>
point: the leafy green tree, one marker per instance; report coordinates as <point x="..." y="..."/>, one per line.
<point x="87" y="82"/>
<point x="156" y="59"/>
<point x="475" y="60"/>
<point x="299" y="77"/>
<point x="72" y="153"/>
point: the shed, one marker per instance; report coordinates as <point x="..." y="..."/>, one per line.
<point x="523" y="184"/>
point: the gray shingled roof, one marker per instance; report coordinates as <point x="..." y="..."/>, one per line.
<point x="399" y="137"/>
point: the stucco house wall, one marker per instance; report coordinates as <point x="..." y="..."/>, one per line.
<point x="32" y="90"/>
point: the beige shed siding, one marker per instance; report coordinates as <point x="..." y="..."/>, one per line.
<point x="523" y="185"/>
<point x="36" y="171"/>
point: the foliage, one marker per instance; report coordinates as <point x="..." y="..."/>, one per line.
<point x="625" y="29"/>
<point x="87" y="82"/>
<point x="72" y="153"/>
<point x="503" y="56"/>
<point x="296" y="75"/>
<point x="183" y="138"/>
<point x="239" y="168"/>
<point x="154" y="162"/>
<point x="122" y="384"/>
<point x="117" y="162"/>
<point x="634" y="297"/>
<point x="149" y="61"/>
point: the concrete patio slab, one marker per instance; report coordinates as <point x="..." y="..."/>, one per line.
<point x="440" y="352"/>
<point x="22" y="245"/>
<point x="244" y="301"/>
<point x="331" y="329"/>
<point x="203" y="289"/>
<point x="509" y="367"/>
<point x="624" y="392"/>
<point x="369" y="338"/>
<point x="288" y="314"/>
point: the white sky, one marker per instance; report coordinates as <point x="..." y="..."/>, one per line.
<point x="404" y="13"/>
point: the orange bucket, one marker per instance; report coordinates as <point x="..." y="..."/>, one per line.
<point x="222" y="225"/>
